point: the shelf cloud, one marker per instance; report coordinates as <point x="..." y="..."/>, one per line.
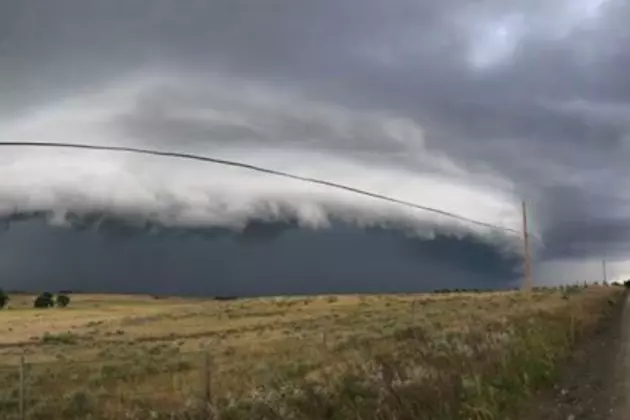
<point x="464" y="107"/>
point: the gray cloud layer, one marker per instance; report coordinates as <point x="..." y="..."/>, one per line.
<point x="264" y="259"/>
<point x="463" y="106"/>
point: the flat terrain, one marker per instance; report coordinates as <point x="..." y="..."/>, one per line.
<point x="445" y="356"/>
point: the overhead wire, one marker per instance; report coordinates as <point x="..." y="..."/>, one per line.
<point x="261" y="169"/>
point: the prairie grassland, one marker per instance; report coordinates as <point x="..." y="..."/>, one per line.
<point x="451" y="356"/>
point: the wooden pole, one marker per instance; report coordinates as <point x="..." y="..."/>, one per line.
<point x="413" y="319"/>
<point x="527" y="284"/>
<point x="413" y="313"/>
<point x="22" y="388"/>
<point x="207" y="384"/>
<point x="604" y="271"/>
<point x="207" y="378"/>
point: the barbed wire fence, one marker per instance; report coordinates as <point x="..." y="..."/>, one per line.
<point x="116" y="387"/>
<point x="128" y="381"/>
<point x="124" y="379"/>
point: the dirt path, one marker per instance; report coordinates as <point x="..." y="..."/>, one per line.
<point x="596" y="382"/>
<point x="621" y="375"/>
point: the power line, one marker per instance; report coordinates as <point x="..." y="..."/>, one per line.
<point x="262" y="170"/>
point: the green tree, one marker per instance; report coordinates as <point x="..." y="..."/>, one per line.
<point x="4" y="299"/>
<point x="63" y="300"/>
<point x="44" y="300"/>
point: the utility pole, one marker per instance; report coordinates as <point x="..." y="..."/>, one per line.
<point x="604" y="271"/>
<point x="527" y="285"/>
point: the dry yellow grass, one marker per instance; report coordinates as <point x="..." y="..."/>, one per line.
<point x="293" y="357"/>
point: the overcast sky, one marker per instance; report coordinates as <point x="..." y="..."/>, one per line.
<point x="464" y="106"/>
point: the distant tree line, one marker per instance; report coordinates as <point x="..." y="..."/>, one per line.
<point x="48" y="300"/>
<point x="43" y="300"/>
<point x="567" y="287"/>
<point x="441" y="291"/>
<point x="225" y="297"/>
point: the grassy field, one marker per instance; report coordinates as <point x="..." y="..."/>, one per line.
<point x="446" y="356"/>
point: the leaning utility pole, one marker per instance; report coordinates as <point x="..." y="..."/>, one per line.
<point x="527" y="284"/>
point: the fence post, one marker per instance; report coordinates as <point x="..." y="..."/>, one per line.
<point x="207" y="381"/>
<point x="413" y="312"/>
<point x="413" y="319"/>
<point x="22" y="404"/>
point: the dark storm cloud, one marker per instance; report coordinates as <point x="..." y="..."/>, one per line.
<point x="462" y="104"/>
<point x="299" y="261"/>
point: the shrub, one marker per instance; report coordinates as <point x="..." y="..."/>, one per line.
<point x="4" y="299"/>
<point x="45" y="300"/>
<point x="225" y="298"/>
<point x="63" y="300"/>
<point x="61" y="338"/>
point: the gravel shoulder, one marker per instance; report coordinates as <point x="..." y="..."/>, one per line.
<point x="595" y="382"/>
